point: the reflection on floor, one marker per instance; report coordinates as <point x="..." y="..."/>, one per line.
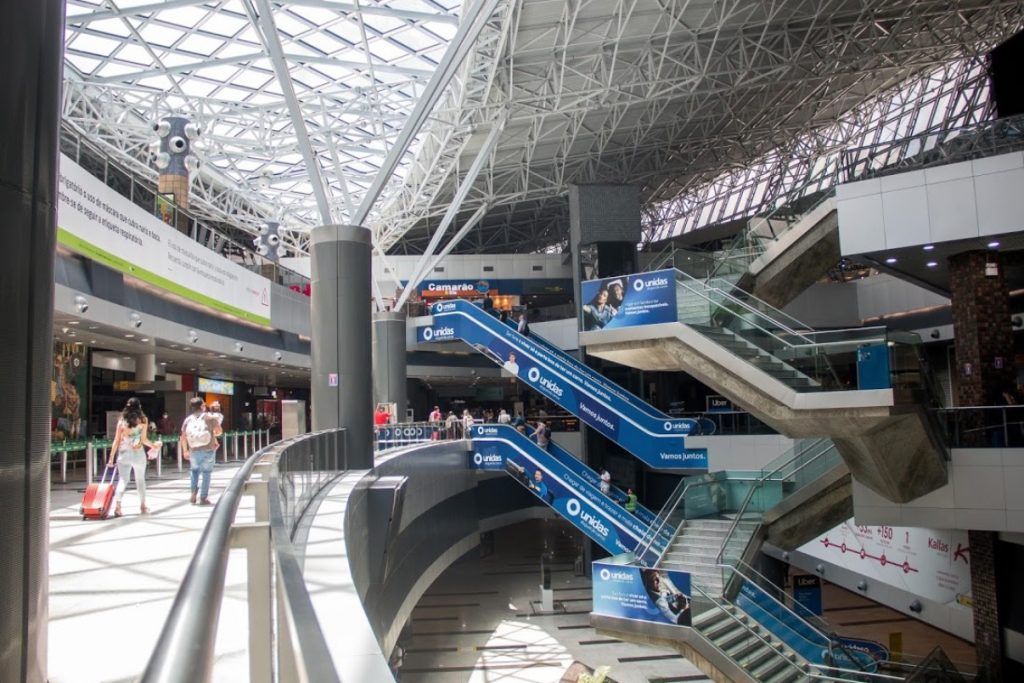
<point x="482" y="619"/>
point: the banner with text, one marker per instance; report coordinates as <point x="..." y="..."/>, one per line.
<point x="502" y="448"/>
<point x="631" y="592"/>
<point x="97" y="222"/>
<point x="628" y="300"/>
<point x="654" y="437"/>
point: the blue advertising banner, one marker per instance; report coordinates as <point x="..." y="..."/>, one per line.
<point x="500" y="447"/>
<point x="652" y="436"/>
<point x="631" y="592"/>
<point x="807" y="592"/>
<point x="628" y="300"/>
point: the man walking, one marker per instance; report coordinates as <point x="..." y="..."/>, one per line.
<point x="199" y="447"/>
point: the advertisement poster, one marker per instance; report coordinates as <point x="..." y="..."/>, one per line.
<point x="69" y="392"/>
<point x="628" y="300"/>
<point x="97" y="222"/>
<point x="632" y="592"/>
<point x="502" y="448"/>
<point x="807" y="592"/>
<point x="932" y="563"/>
<point x="654" y="437"/>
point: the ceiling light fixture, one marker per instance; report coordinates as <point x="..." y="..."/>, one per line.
<point x="932" y="264"/>
<point x="891" y="260"/>
<point x="993" y="244"/>
<point x="929" y="247"/>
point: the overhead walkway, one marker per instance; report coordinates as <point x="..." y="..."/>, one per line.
<point x="566" y="485"/>
<point x="868" y="389"/>
<point x="650" y="435"/>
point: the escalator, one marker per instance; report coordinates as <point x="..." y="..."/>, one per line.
<point x="869" y="390"/>
<point x="554" y="478"/>
<point x="651" y="436"/>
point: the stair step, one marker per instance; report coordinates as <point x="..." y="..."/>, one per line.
<point x="776" y="665"/>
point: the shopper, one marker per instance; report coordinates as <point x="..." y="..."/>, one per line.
<point x="542" y="434"/>
<point x="381" y="417"/>
<point x="467" y="423"/>
<point x="523" y="327"/>
<point x="606" y="482"/>
<point x="451" y="424"/>
<point x="199" y="446"/>
<point x="630" y="502"/>
<point x="130" y="442"/>
<point x="503" y="417"/>
<point x="218" y="431"/>
<point x="435" y="415"/>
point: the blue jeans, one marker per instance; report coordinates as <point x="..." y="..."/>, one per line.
<point x="201" y="463"/>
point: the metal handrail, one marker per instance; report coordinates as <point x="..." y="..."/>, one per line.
<point x="750" y="494"/>
<point x="184" y="651"/>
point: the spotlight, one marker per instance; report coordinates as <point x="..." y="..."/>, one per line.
<point x="273" y="240"/>
<point x="193" y="130"/>
<point x="81" y="303"/>
<point x="162" y="128"/>
<point x="163" y="160"/>
<point x="264" y="228"/>
<point x="192" y="163"/>
<point x="177" y="144"/>
<point x="263" y="249"/>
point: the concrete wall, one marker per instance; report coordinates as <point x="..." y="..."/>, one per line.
<point x="984" y="492"/>
<point x="848" y="304"/>
<point x="741" y="452"/>
<point x="952" y="202"/>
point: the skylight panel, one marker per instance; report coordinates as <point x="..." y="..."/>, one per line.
<point x="155" y="34"/>
<point x="85" y="65"/>
<point x="195" y="87"/>
<point x="112" y="27"/>
<point x="184" y="17"/>
<point x="200" y="45"/>
<point x="94" y="45"/>
<point x="135" y="54"/>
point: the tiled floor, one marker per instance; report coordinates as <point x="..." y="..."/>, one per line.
<point x="480" y="622"/>
<point x="112" y="581"/>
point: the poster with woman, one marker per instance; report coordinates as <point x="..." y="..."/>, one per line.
<point x="69" y="388"/>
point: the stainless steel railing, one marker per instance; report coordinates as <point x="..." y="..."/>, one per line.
<point x="284" y="479"/>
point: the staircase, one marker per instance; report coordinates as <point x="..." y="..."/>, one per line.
<point x="762" y="360"/>
<point x="750" y="645"/>
<point x="695" y="550"/>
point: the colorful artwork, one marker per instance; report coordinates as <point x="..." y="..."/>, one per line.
<point x="69" y="391"/>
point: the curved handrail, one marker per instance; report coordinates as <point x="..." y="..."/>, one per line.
<point x="184" y="652"/>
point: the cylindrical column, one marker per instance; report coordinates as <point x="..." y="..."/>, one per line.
<point x="389" y="362"/>
<point x="145" y="367"/>
<point x="30" y="44"/>
<point x="341" y="388"/>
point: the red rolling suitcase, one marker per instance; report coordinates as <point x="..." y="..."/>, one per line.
<point x="99" y="497"/>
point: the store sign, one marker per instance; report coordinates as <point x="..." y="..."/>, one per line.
<point x="215" y="386"/>
<point x="632" y="592"/>
<point x="132" y="385"/>
<point x="97" y="222"/>
<point x="718" y="404"/>
<point x="807" y="592"/>
<point x="455" y="288"/>
<point x="629" y="300"/>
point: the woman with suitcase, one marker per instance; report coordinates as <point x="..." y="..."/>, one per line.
<point x="130" y="444"/>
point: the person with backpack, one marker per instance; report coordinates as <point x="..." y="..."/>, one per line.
<point x="199" y="447"/>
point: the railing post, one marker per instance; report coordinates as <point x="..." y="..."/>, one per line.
<point x="64" y="466"/>
<point x="90" y="463"/>
<point x="255" y="538"/>
<point x="234" y="442"/>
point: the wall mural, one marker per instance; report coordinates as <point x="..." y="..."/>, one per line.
<point x="69" y="391"/>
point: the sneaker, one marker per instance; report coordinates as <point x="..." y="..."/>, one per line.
<point x="192" y="499"/>
<point x="205" y="501"/>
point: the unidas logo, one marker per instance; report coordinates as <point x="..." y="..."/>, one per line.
<point x="551" y="385"/>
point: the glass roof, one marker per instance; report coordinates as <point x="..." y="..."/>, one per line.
<point x="356" y="67"/>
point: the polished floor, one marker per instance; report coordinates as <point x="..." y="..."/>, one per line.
<point x="112" y="582"/>
<point x="482" y="620"/>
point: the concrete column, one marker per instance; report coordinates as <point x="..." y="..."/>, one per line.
<point x="31" y="39"/>
<point x="341" y="391"/>
<point x="389" y="363"/>
<point x="145" y="367"/>
<point x="983" y="336"/>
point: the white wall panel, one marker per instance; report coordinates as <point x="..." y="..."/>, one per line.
<point x="905" y="215"/>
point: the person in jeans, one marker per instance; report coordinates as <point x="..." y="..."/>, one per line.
<point x="199" y="447"/>
<point x="129" y="446"/>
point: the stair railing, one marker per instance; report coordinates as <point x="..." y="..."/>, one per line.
<point x="818" y="448"/>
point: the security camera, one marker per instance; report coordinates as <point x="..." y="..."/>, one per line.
<point x="162" y="127"/>
<point x="193" y="336"/>
<point x="81" y="303"/>
<point x="177" y="144"/>
<point x="239" y="346"/>
<point x="278" y="355"/>
<point x="135" y="320"/>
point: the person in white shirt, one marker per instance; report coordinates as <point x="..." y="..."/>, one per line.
<point x="467" y="423"/>
<point x="511" y="365"/>
<point x="540" y="433"/>
<point x="504" y="418"/>
<point x="606" y="482"/>
<point x="523" y="327"/>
